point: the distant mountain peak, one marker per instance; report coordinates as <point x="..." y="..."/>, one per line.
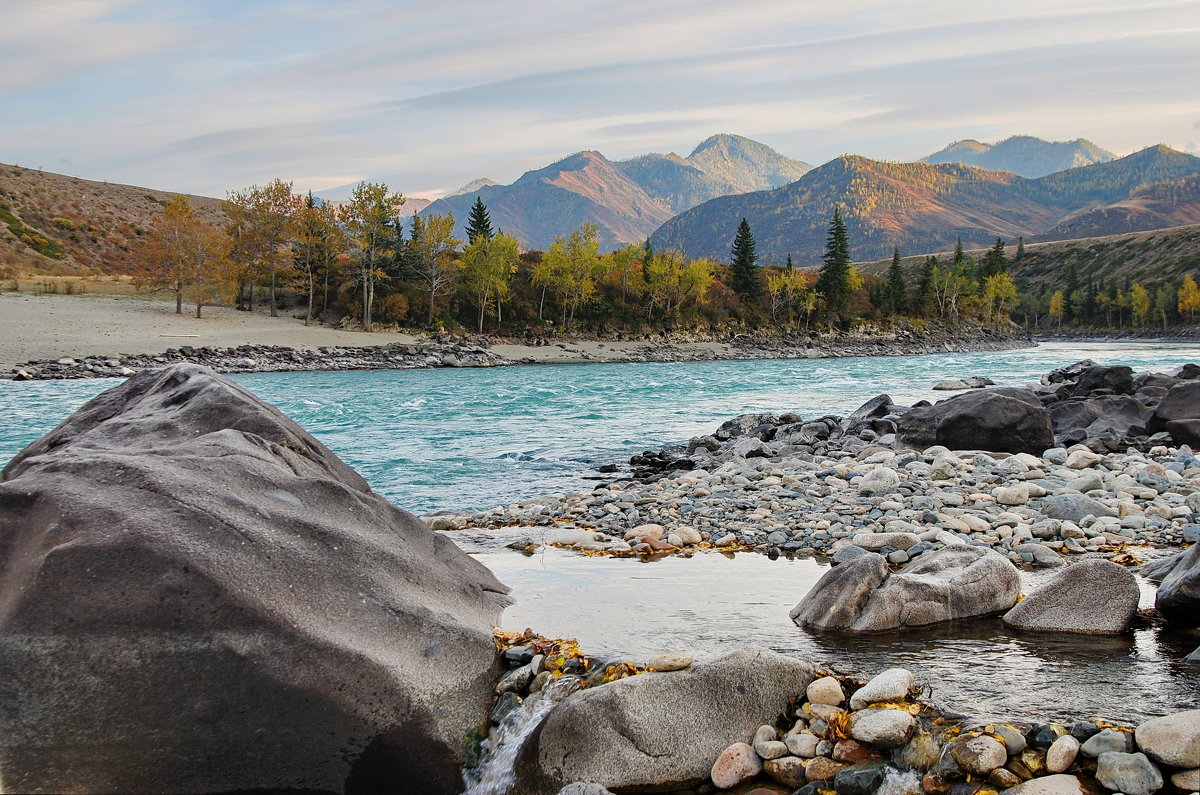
<point x="473" y="186"/>
<point x="1024" y="155"/>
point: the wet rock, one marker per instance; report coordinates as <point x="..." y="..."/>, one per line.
<point x="1117" y="379"/>
<point x="978" y="755"/>
<point x="1061" y="754"/>
<point x="1107" y="740"/>
<point x="625" y="734"/>
<point x="955" y="384"/>
<point x="861" y="779"/>
<point x="822" y="769"/>
<point x="826" y="690"/>
<point x="1172" y="739"/>
<point x="1131" y="774"/>
<point x="1088" y="597"/>
<point x="787" y="770"/>
<point x="1049" y="785"/>
<point x="1178" y="595"/>
<point x="736" y="764"/>
<point x="945" y="585"/>
<point x="1000" y="420"/>
<point x="168" y="604"/>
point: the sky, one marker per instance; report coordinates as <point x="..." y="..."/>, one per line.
<point x="208" y="97"/>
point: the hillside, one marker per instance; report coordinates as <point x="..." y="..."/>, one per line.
<point x="1146" y="257"/>
<point x="925" y="207"/>
<point x="1023" y="155"/>
<point x="627" y="199"/>
<point x="51" y="223"/>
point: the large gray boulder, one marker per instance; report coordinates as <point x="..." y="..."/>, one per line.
<point x="1182" y="402"/>
<point x="1178" y="595"/>
<point x="1003" y="420"/>
<point x="1091" y="597"/>
<point x="1073" y="507"/>
<point x="660" y="730"/>
<point x="197" y="596"/>
<point x="953" y="583"/>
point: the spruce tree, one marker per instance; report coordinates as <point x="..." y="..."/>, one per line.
<point x="895" y="285"/>
<point x="995" y="262"/>
<point x="789" y="266"/>
<point x="1020" y="250"/>
<point x="479" y="222"/>
<point x="924" y="298"/>
<point x="647" y="258"/>
<point x="833" y="282"/>
<point x="743" y="261"/>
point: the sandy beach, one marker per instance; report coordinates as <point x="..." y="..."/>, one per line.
<point x="52" y="326"/>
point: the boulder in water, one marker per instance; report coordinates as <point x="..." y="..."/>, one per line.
<point x="1091" y="597"/>
<point x="198" y="596"/>
<point x="1178" y="595"/>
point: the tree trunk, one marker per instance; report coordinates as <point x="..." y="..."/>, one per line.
<point x="274" y="309"/>
<point x="311" y="290"/>
<point x="198" y="305"/>
<point x="482" y="303"/>
<point x="179" y="297"/>
<point x="542" y="303"/>
<point x="432" y="296"/>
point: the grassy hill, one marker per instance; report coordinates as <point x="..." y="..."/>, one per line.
<point x="55" y="224"/>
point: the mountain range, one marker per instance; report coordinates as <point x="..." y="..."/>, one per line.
<point x="920" y="207"/>
<point x="627" y="199"/>
<point x="1023" y="155"/>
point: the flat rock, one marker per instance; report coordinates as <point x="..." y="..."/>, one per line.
<point x="1131" y="774"/>
<point x="1072" y="507"/>
<point x="882" y="728"/>
<point x="1090" y="597"/>
<point x="1060" y="784"/>
<point x="1172" y="739"/>
<point x="893" y="684"/>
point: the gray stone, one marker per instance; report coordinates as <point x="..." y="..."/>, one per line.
<point x="1182" y="402"/>
<point x="952" y="583"/>
<point x="1131" y="774"/>
<point x="1061" y="754"/>
<point x="162" y="608"/>
<point x="894" y="684"/>
<point x="584" y="789"/>
<point x="660" y="729"/>
<point x="1178" y="595"/>
<point x="978" y="755"/>
<point x="1172" y="739"/>
<point x="1001" y="419"/>
<point x="882" y="728"/>
<point x="1090" y="597"/>
<point x="847" y="553"/>
<point x="1043" y="556"/>
<point x="873" y="542"/>
<point x="1107" y="740"/>
<point x="880" y="480"/>
<point x="1060" y="784"/>
<point x="1072" y="507"/>
<point x="826" y="690"/>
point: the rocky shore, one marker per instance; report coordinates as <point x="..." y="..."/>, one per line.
<point x="451" y="351"/>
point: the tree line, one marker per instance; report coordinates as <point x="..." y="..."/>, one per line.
<point x="359" y="259"/>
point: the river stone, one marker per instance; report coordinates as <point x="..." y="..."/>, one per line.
<point x="1061" y="754"/>
<point x="882" y="728"/>
<point x="1060" y="784"/>
<point x="893" y="684"/>
<point x="1043" y="556"/>
<point x="826" y="690"/>
<point x="1091" y="597"/>
<point x="670" y="662"/>
<point x="1002" y="419"/>
<point x="584" y="789"/>
<point x="1178" y="595"/>
<point x="736" y="764"/>
<point x="163" y="607"/>
<point x="948" y="584"/>
<point x="1182" y="402"/>
<point x="880" y="480"/>
<point x="1072" y="507"/>
<point x="1187" y="780"/>
<point x="978" y="755"/>
<point x="873" y="542"/>
<point x="660" y="729"/>
<point x="1172" y="739"/>
<point x="1107" y="740"/>
<point x="1131" y="774"/>
<point x="803" y="744"/>
<point x="786" y="770"/>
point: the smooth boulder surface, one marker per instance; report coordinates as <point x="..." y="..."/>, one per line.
<point x="1001" y="420"/>
<point x="1178" y="595"/>
<point x="197" y="596"/>
<point x="948" y="584"/>
<point x="1091" y="597"/>
<point x="660" y="729"/>
<point x="1182" y="402"/>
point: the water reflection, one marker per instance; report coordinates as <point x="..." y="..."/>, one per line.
<point x="712" y="603"/>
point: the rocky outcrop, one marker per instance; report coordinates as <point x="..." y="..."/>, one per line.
<point x="197" y="596"/>
<point x="1182" y="402"/>
<point x="660" y="729"/>
<point x="953" y="583"/>
<point x="1091" y="597"/>
<point x="1003" y="420"/>
<point x="1178" y="595"/>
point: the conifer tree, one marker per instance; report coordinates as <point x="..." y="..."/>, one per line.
<point x="1020" y="250"/>
<point x="995" y="262"/>
<point x="789" y="267"/>
<point x="647" y="258"/>
<point x="895" y="285"/>
<point x="479" y="222"/>
<point x="924" y="297"/>
<point x="744" y="264"/>
<point x="833" y="282"/>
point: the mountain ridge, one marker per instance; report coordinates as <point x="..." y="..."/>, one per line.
<point x="1024" y="155"/>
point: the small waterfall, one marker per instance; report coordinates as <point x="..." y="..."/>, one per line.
<point x="495" y="775"/>
<point x="898" y="783"/>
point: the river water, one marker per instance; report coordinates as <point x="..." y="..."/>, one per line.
<point x="472" y="439"/>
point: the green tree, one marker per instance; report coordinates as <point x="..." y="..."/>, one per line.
<point x="895" y="289"/>
<point x="994" y="262"/>
<point x="570" y="269"/>
<point x="488" y="266"/>
<point x="1020" y="250"/>
<point x="999" y="296"/>
<point x="479" y="222"/>
<point x="674" y="282"/>
<point x="924" y="296"/>
<point x="1164" y="302"/>
<point x="833" y="281"/>
<point x="432" y="263"/>
<point x="743" y="271"/>
<point x="370" y="219"/>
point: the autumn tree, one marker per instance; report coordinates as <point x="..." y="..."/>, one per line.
<point x="262" y="220"/>
<point x="1058" y="306"/>
<point x="999" y="295"/>
<point x="488" y="266"/>
<point x="183" y="254"/>
<point x="675" y="282"/>
<point x="1139" y="302"/>
<point x="792" y="295"/>
<point x="1164" y="302"/>
<point x="743" y="262"/>
<point x="1189" y="297"/>
<point x="626" y="264"/>
<point x="432" y="263"/>
<point x="371" y="218"/>
<point x="833" y="281"/>
<point x="479" y="222"/>
<point x="319" y="242"/>
<point x="570" y="269"/>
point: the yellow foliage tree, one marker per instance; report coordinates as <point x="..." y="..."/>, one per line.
<point x="570" y="269"/>
<point x="488" y="266"/>
<point x="999" y="295"/>
<point x="185" y="255"/>
<point x="1139" y="301"/>
<point x="1058" y="306"/>
<point x="672" y="282"/>
<point x="1189" y="297"/>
